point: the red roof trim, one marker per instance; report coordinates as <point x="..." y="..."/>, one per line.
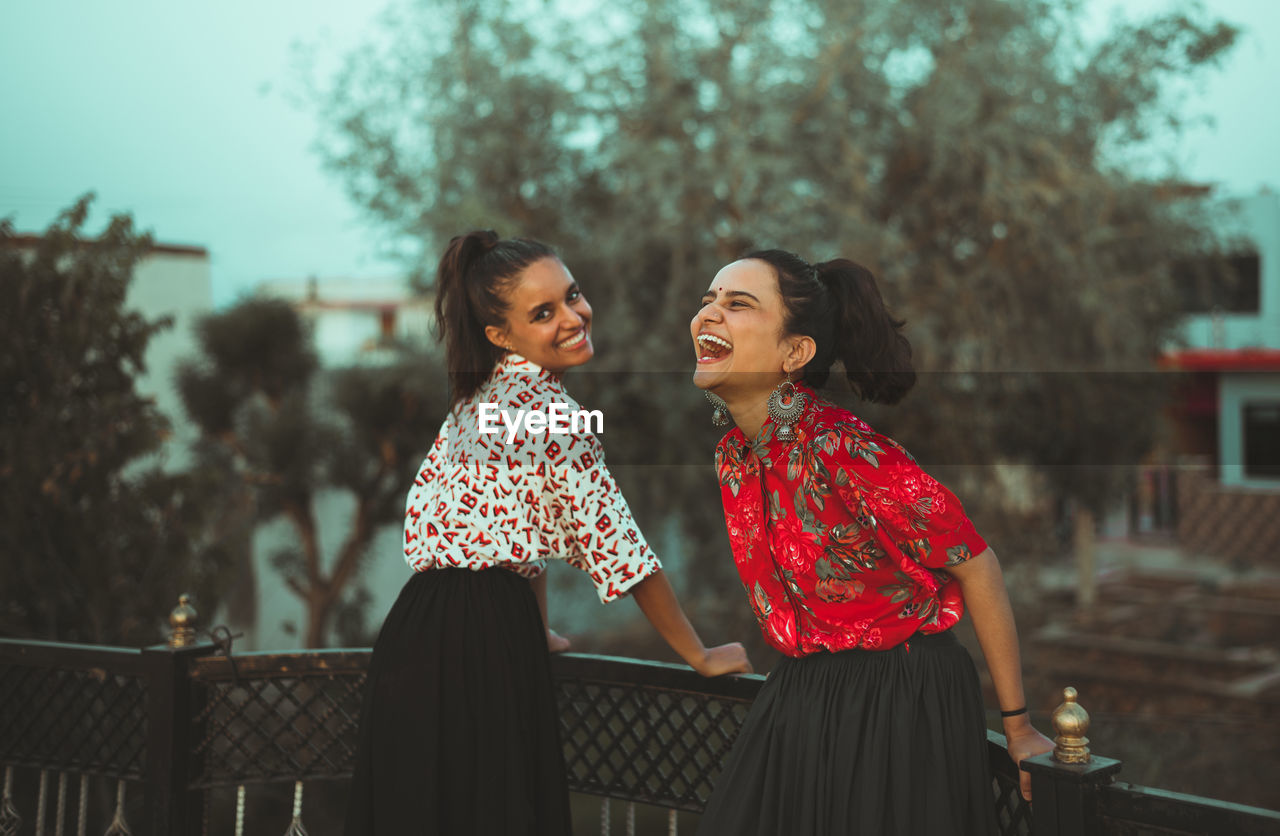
<point x="1223" y="360"/>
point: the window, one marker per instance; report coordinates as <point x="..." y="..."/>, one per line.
<point x="1262" y="440"/>
<point x="1234" y="288"/>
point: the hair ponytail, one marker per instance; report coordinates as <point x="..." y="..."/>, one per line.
<point x="838" y="305"/>
<point x="868" y="340"/>
<point x="474" y="279"/>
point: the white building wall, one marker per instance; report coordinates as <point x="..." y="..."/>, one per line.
<point x="1255" y="220"/>
<point x="282" y="617"/>
<point x="171" y="282"/>
<point x="345" y="316"/>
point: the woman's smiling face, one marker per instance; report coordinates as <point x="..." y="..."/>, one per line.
<point x="737" y="334"/>
<point x="548" y="318"/>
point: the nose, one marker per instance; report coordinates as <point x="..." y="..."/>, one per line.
<point x="571" y="319"/>
<point x="709" y="312"/>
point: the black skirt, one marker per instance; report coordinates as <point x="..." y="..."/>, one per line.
<point x="861" y="743"/>
<point x="459" y="732"/>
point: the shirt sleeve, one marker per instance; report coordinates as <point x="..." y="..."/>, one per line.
<point x="914" y="515"/>
<point x="600" y="536"/>
<point x="417" y="522"/>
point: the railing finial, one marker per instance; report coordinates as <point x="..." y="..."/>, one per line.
<point x="182" y="623"/>
<point x="1070" y="722"/>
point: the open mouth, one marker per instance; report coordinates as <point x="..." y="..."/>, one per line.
<point x="575" y="341"/>
<point x="712" y="348"/>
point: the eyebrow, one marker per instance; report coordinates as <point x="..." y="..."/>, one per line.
<point x="534" y="310"/>
<point x="750" y="296"/>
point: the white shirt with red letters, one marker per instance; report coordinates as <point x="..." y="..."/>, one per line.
<point x="484" y="500"/>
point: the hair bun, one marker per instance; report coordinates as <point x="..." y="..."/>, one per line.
<point x="838" y="305"/>
<point x="487" y="238"/>
<point x="465" y="250"/>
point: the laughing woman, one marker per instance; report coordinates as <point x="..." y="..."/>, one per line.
<point x="856" y="564"/>
<point x="459" y="732"/>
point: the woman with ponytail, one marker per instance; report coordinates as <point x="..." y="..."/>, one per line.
<point x="857" y="564"/>
<point x="459" y="732"/>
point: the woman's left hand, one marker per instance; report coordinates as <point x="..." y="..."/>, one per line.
<point x="1024" y="742"/>
<point x="556" y="643"/>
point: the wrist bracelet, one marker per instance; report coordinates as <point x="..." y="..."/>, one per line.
<point x="1014" y="713"/>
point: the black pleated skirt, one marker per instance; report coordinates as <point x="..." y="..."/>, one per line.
<point x="459" y="732"/>
<point x="861" y="743"/>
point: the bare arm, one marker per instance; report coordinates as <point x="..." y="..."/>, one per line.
<point x="987" y="601"/>
<point x="556" y="643"/>
<point x="657" y="601"/>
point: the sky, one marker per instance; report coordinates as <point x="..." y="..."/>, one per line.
<point x="187" y="116"/>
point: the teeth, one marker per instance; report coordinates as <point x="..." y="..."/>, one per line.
<point x="574" y="340"/>
<point x="713" y="340"/>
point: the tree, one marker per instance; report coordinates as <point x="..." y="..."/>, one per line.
<point x="968" y="151"/>
<point x="281" y="434"/>
<point x="97" y="541"/>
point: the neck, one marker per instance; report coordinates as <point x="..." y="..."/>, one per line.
<point x="556" y="374"/>
<point x="749" y="412"/>
<point x="747" y="397"/>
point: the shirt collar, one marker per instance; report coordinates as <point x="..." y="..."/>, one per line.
<point x="736" y="436"/>
<point x="513" y="362"/>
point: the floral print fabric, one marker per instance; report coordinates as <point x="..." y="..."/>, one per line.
<point x="480" y="501"/>
<point x="840" y="539"/>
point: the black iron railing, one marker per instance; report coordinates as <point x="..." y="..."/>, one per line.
<point x="163" y="730"/>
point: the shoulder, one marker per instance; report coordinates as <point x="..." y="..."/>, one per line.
<point x="520" y="384"/>
<point x="732" y="440"/>
<point x="524" y="413"/>
<point x="732" y="449"/>
<point x="846" y="443"/>
<point x="516" y="389"/>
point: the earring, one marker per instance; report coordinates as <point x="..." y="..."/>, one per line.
<point x="786" y="405"/>
<point x="719" y="409"/>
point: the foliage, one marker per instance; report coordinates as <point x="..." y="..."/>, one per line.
<point x="282" y="434"/>
<point x="968" y="151"/>
<point x="97" y="541"/>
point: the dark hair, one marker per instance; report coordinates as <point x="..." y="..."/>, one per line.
<point x="475" y="276"/>
<point x="838" y="304"/>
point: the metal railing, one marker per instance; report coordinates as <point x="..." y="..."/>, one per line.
<point x="147" y="737"/>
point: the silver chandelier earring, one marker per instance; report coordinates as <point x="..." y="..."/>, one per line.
<point x="719" y="409"/>
<point x="786" y="405"/>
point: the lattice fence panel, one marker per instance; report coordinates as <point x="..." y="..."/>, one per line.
<point x="659" y="744"/>
<point x="1013" y="813"/>
<point x="91" y="721"/>
<point x="280" y="728"/>
<point x="645" y="744"/>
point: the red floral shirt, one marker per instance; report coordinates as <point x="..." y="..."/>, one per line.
<point x="840" y="538"/>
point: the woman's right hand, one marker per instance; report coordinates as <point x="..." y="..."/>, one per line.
<point x="726" y="658"/>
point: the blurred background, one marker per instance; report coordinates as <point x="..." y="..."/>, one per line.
<point x="220" y="230"/>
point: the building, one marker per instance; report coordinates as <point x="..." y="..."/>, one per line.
<point x="357" y="321"/>
<point x="1222" y="497"/>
